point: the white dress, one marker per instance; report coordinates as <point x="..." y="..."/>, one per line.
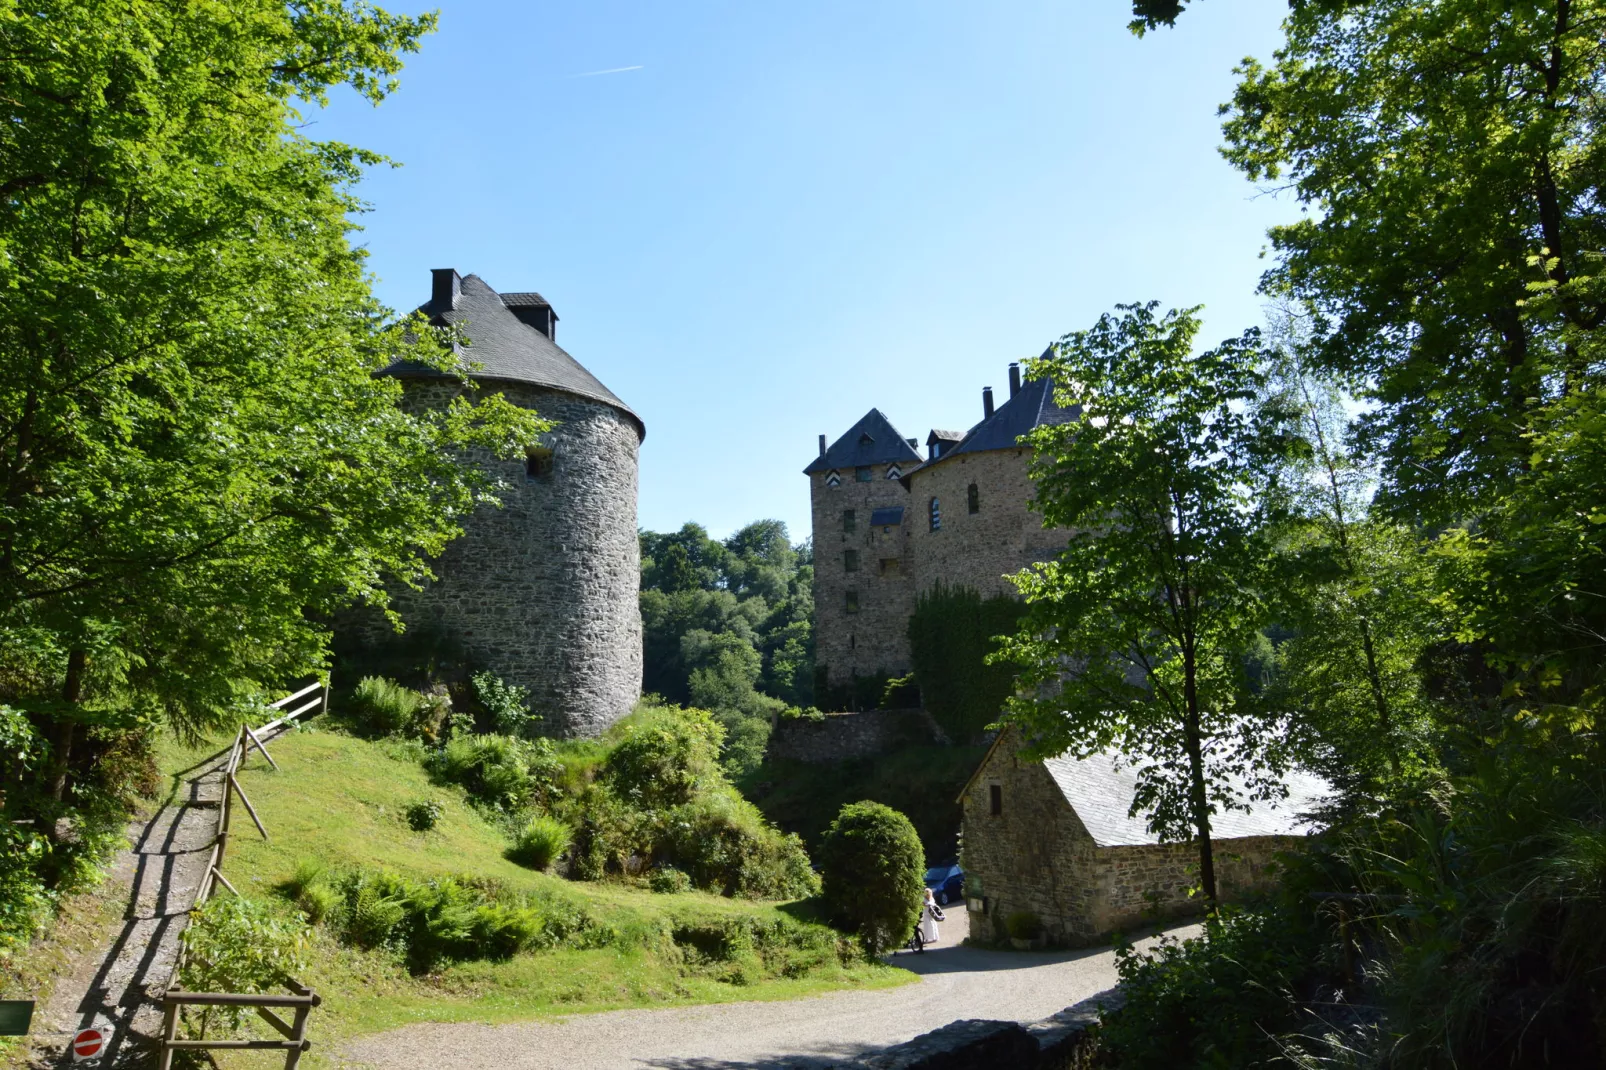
<point x="928" y="925"/>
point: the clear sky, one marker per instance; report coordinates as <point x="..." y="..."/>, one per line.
<point x="761" y="220"/>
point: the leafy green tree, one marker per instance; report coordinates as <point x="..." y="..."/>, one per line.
<point x="196" y="460"/>
<point x="1135" y="634"/>
<point x="1451" y="155"/>
<point x="1355" y="589"/>
<point x="872" y="868"/>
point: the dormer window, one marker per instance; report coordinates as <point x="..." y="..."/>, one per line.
<point x="865" y="439"/>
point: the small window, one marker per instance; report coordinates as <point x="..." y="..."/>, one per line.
<point x="863" y="474"/>
<point x="850" y="521"/>
<point x="850" y="560"/>
<point x="891" y="566"/>
<point x="537" y="464"/>
<point x="995" y="799"/>
<point x="850" y="602"/>
<point x="936" y="515"/>
<point x="973" y="498"/>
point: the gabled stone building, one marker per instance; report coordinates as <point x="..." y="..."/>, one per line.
<point x="890" y="523"/>
<point x="1056" y="838"/>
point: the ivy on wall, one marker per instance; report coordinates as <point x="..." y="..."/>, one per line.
<point x="952" y="631"/>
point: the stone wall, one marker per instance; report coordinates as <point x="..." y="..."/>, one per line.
<point x="874" y="638"/>
<point x="543" y="591"/>
<point x="1037" y="856"/>
<point x="841" y="737"/>
<point x="977" y="550"/>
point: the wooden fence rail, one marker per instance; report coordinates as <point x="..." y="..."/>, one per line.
<point x="300" y="999"/>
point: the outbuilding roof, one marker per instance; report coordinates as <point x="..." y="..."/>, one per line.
<point x="506" y="348"/>
<point x="873" y="440"/>
<point x="1101" y="788"/>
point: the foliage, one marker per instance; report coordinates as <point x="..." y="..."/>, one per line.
<point x="921" y="780"/>
<point x="1135" y="634"/>
<point x="380" y="707"/>
<point x="1023" y="925"/>
<point x="499" y="771"/>
<point x="422" y="816"/>
<point x="662" y="757"/>
<point x="234" y="944"/>
<point x="540" y="842"/>
<point x="508" y="705"/>
<point x="727" y="627"/>
<point x="668" y="880"/>
<point x="1467" y="135"/>
<point x="952" y="632"/>
<point x="429" y="922"/>
<point x="1213" y="1000"/>
<point x="873" y="873"/>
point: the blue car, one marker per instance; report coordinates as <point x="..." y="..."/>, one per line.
<point x="947" y="883"/>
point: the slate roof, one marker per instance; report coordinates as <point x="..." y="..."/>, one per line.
<point x="1100" y="790"/>
<point x="1033" y="406"/>
<point x="873" y="440"/>
<point x="509" y="350"/>
<point x="938" y="435"/>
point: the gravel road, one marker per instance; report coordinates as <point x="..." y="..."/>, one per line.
<point x="955" y="982"/>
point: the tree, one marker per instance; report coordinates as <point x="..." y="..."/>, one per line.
<point x="1451" y="155"/>
<point x="872" y="869"/>
<point x="1135" y="633"/>
<point x="1354" y="589"/>
<point x="196" y="461"/>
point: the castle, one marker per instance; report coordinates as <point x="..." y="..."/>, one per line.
<point x="542" y="591"/>
<point x="890" y="524"/>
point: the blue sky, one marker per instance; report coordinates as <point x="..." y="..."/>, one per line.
<point x="788" y="214"/>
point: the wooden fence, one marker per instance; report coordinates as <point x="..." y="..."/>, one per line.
<point x="300" y="999"/>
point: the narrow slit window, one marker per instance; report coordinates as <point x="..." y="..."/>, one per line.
<point x="850" y="520"/>
<point x="973" y="498"/>
<point x="995" y="799"/>
<point x="851" y="601"/>
<point x="850" y="560"/>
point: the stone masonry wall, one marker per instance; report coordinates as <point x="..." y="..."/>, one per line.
<point x="841" y="737"/>
<point x="875" y="639"/>
<point x="543" y="591"/>
<point x="977" y="550"/>
<point x="1037" y="856"/>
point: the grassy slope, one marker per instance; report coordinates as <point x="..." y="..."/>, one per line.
<point x="923" y="782"/>
<point x="341" y="800"/>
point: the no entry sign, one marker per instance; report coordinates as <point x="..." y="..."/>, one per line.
<point x="88" y="1044"/>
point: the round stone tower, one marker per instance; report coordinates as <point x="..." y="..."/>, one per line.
<point x="543" y="591"/>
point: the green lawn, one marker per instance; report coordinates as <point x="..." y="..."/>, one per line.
<point x="341" y="800"/>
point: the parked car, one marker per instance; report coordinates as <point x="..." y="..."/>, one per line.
<point x="947" y="883"/>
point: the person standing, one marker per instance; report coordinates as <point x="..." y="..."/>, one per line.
<point x="930" y="914"/>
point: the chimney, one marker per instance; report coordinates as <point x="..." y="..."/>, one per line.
<point x="446" y="284"/>
<point x="822" y="445"/>
<point x="986" y="402"/>
<point x="1014" y="378"/>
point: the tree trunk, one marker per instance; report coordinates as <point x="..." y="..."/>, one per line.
<point x="72" y="692"/>
<point x="1193" y="740"/>
<point x="1385" y="722"/>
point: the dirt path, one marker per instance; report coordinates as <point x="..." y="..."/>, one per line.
<point x="116" y="984"/>
<point x="956" y="982"/>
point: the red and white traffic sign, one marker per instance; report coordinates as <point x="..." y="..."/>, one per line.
<point x="88" y="1044"/>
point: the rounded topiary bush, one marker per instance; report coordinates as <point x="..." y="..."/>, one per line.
<point x="872" y="865"/>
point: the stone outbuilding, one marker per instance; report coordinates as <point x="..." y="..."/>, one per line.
<point x="1056" y="838"/>
<point x="542" y="591"/>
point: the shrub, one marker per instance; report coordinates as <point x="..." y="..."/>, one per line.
<point x="450" y="919"/>
<point x="725" y="845"/>
<point x="381" y="707"/>
<point x="319" y="902"/>
<point x="1023" y="925"/>
<point x="422" y="816"/>
<point x="662" y="756"/>
<point x="374" y="908"/>
<point x="540" y="842"/>
<point x="500" y="771"/>
<point x="873" y="865"/>
<point x="507" y="705"/>
<point x="668" y="879"/>
<point x="240" y="945"/>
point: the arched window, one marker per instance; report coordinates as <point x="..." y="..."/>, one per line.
<point x="973" y="497"/>
<point x="936" y="515"/>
